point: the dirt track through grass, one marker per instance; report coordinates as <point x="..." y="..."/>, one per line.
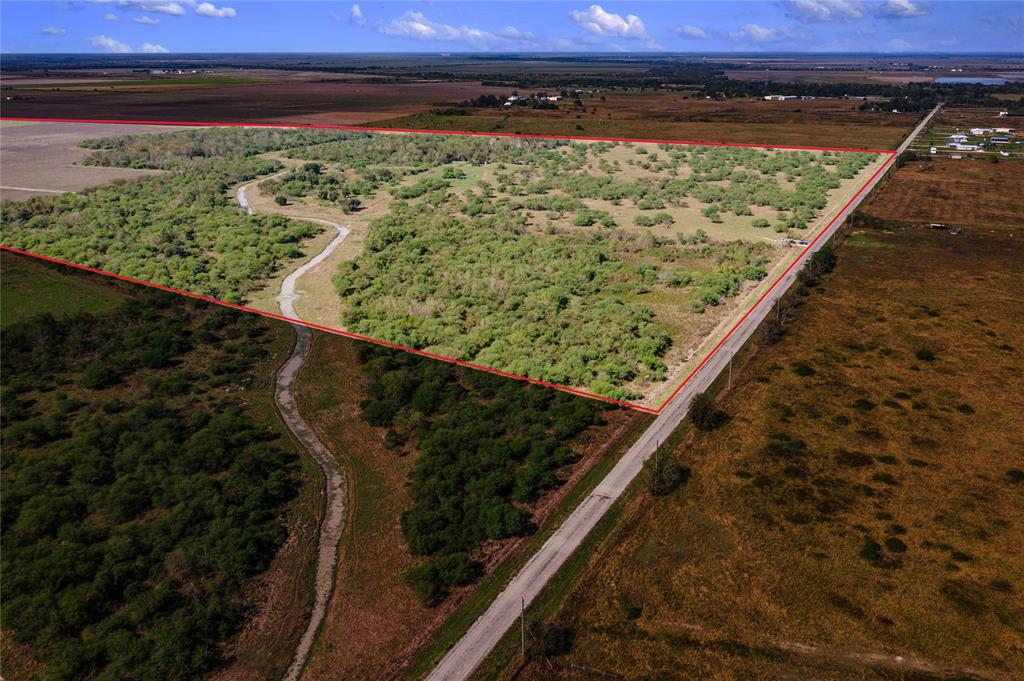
<point x="336" y="506"/>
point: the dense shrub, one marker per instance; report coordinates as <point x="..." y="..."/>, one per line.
<point x="704" y="413"/>
<point x="132" y="528"/>
<point x="487" y="446"/>
<point x="664" y="473"/>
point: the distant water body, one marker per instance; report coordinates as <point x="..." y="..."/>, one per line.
<point x="953" y="80"/>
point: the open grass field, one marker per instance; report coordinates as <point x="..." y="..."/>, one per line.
<point x="31" y="288"/>
<point x="860" y="513"/>
<point x="270" y="96"/>
<point x="375" y="626"/>
<point x="975" y="193"/>
<point x="277" y="599"/>
<point x="684" y="117"/>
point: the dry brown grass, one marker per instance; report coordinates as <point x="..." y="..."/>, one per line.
<point x="283" y="99"/>
<point x="374" y="623"/>
<point x="680" y="117"/>
<point x="640" y="115"/>
<point x="965" y="192"/>
<point x="763" y="566"/>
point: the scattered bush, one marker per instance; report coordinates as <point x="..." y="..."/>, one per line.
<point x="664" y="473"/>
<point x="704" y="414"/>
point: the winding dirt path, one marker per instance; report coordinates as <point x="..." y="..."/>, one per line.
<point x="336" y="506"/>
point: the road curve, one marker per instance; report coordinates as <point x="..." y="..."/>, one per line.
<point x="336" y="506"/>
<point x="469" y="651"/>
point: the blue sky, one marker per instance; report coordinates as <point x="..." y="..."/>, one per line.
<point x="154" y="26"/>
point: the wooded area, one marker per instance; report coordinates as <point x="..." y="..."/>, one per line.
<point x="544" y="258"/>
<point x="178" y="229"/>
<point x="488" y="447"/>
<point x="141" y="492"/>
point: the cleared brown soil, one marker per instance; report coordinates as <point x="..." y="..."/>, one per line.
<point x="339" y="99"/>
<point x="965" y="192"/>
<point x="282" y="101"/>
<point x="861" y="514"/>
<point x="47" y="157"/>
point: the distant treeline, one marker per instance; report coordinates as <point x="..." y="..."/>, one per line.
<point x="902" y="96"/>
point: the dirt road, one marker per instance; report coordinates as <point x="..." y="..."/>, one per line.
<point x="336" y="506"/>
<point x="488" y="629"/>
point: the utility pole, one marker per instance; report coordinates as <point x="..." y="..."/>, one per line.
<point x="732" y="353"/>
<point x="522" y="626"/>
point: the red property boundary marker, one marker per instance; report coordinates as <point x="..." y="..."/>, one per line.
<point x="423" y="353"/>
<point x="421" y="131"/>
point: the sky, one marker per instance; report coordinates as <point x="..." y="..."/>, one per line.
<point x="702" y="26"/>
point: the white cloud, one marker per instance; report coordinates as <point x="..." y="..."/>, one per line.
<point x="513" y="33"/>
<point x="52" y="30"/>
<point x="898" y="45"/>
<point x="146" y="20"/>
<point x="603" y="23"/>
<point x="898" y="9"/>
<point x="1015" y="23"/>
<point x="357" y="15"/>
<point x="206" y="9"/>
<point x="690" y="32"/>
<point x="105" y="44"/>
<point x="416" y="26"/>
<point x="824" y="11"/>
<point x="110" y="16"/>
<point x="150" y="48"/>
<point x="173" y="9"/>
<point x="753" y="33"/>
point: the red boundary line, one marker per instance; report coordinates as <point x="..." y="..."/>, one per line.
<point x="881" y="169"/>
<point x="423" y="353"/>
<point x="422" y="131"/>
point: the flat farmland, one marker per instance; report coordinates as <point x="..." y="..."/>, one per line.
<point x="44" y="159"/>
<point x="963" y="192"/>
<point x="346" y="98"/>
<point x="600" y="266"/>
<point x="859" y="513"/>
<point x="328" y="100"/>
<point x="830" y="75"/>
<point x="683" y="117"/>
